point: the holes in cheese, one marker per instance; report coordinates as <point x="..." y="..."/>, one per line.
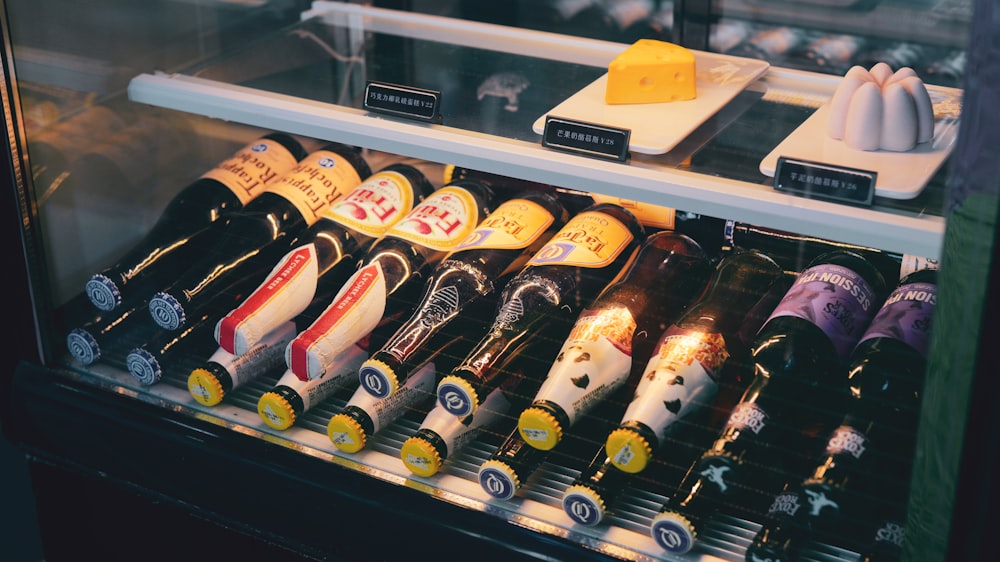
<point x="651" y="71"/>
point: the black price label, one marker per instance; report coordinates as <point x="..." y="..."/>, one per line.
<point x="824" y="181"/>
<point x="403" y="101"/>
<point x="589" y="139"/>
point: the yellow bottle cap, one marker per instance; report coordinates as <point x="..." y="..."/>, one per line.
<point x="346" y="433"/>
<point x="498" y="479"/>
<point x="673" y="532"/>
<point x="457" y="396"/>
<point x="539" y="428"/>
<point x="275" y="411"/>
<point x="205" y="387"/>
<point x="378" y="378"/>
<point x="420" y="456"/>
<point x="449" y="173"/>
<point x="583" y="505"/>
<point x="628" y="450"/>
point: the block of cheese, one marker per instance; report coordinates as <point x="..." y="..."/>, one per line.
<point x="651" y="71"/>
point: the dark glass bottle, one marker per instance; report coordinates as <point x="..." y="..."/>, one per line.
<point x="179" y="233"/>
<point x="669" y="272"/>
<point x="248" y="242"/>
<point x="872" y="448"/>
<point x="799" y="357"/>
<point x="325" y="255"/>
<point x="506" y="470"/>
<point x="682" y="374"/>
<point x="391" y="270"/>
<point x="562" y="278"/>
<point x="481" y="265"/>
<point x="588" y="497"/>
<point x="107" y="330"/>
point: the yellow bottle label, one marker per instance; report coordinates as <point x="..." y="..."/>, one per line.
<point x="248" y="172"/>
<point x="442" y="221"/>
<point x="320" y="180"/>
<point x="513" y="225"/>
<point x="375" y="205"/>
<point x="649" y="215"/>
<point x="590" y="239"/>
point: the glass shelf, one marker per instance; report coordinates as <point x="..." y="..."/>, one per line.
<point x="309" y="80"/>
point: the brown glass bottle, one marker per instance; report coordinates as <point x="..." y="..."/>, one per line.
<point x="179" y="233"/>
<point x="799" y="358"/>
<point x="557" y="283"/>
<point x="683" y="373"/>
<point x="250" y="241"/>
<point x="667" y="275"/>
<point x="395" y="264"/>
<point x="496" y="250"/>
<point x="325" y="255"/>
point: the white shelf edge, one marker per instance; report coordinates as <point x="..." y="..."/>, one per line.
<point x="698" y="193"/>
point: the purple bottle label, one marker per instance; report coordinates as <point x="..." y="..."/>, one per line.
<point x="906" y="316"/>
<point x="834" y="298"/>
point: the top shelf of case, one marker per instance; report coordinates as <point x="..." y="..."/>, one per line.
<point x="309" y="81"/>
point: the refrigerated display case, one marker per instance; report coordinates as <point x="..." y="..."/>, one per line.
<point x="113" y="107"/>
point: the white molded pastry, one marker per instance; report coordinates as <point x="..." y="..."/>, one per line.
<point x="880" y="110"/>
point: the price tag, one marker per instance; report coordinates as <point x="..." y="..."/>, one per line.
<point x="403" y="101"/>
<point x="824" y="181"/>
<point x="588" y="139"/>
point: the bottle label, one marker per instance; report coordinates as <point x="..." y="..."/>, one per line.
<point x="911" y="263"/>
<point x="512" y="226"/>
<point x="594" y="360"/>
<point x="353" y="314"/>
<point x="847" y="440"/>
<point x="906" y="316"/>
<point x="679" y="377"/>
<point x="456" y="432"/>
<point x="249" y="172"/>
<point x="747" y="415"/>
<point x="590" y="239"/>
<point x="785" y="503"/>
<point x="834" y="298"/>
<point x="342" y="369"/>
<point x="891" y="532"/>
<point x="442" y="221"/>
<point x="267" y="354"/>
<point x="375" y="205"/>
<point x="286" y="292"/>
<point x="383" y="411"/>
<point x="320" y="180"/>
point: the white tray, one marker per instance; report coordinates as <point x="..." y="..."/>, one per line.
<point x="658" y="127"/>
<point x="901" y="175"/>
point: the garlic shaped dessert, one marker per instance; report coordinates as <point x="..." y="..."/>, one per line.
<point x="878" y="109"/>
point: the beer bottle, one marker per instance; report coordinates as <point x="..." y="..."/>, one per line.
<point x="107" y="330"/>
<point x="395" y="264"/>
<point x="442" y="434"/>
<point x="683" y="372"/>
<point x="179" y="233"/>
<point x="477" y="268"/>
<point x="365" y="414"/>
<point x="668" y="273"/>
<point x="148" y="362"/>
<point x="225" y="372"/>
<point x="506" y="470"/>
<point x="555" y="285"/>
<point x="873" y="445"/>
<point x="251" y="240"/>
<point x="798" y="358"/>
<point x="324" y="255"/>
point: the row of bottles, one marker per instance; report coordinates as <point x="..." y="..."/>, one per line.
<point x="585" y="333"/>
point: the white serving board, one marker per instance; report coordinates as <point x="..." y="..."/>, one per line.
<point x="658" y="127"/>
<point x="901" y="175"/>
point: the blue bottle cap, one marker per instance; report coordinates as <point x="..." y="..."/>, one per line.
<point x="498" y="479"/>
<point x="167" y="311"/>
<point x="583" y="505"/>
<point x="143" y="366"/>
<point x="457" y="396"/>
<point x="82" y="346"/>
<point x="103" y="292"/>
<point x="673" y="532"/>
